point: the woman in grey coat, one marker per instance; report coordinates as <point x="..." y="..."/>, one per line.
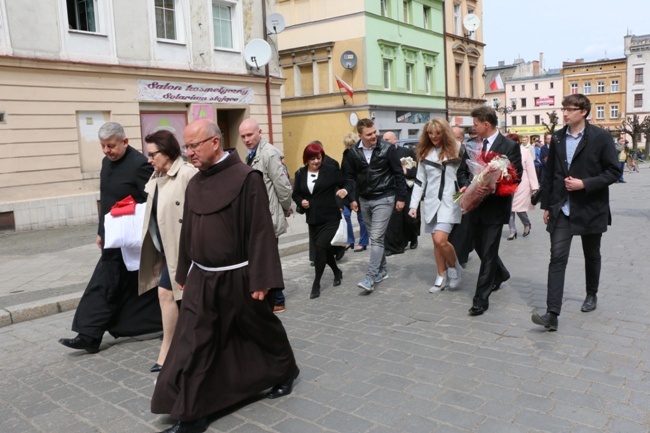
<point x="438" y="160"/>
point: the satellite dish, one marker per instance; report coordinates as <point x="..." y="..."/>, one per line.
<point x="471" y="22"/>
<point x="349" y="60"/>
<point x="257" y="53"/>
<point x="275" y="23"/>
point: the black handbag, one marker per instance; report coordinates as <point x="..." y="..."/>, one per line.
<point x="537" y="195"/>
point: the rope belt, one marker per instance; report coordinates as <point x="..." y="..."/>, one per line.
<point x="220" y="268"/>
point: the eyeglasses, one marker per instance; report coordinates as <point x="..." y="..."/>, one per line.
<point x="570" y="109"/>
<point x="195" y="146"/>
<point x="152" y="155"/>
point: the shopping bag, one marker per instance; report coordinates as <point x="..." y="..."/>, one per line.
<point x="340" y="239"/>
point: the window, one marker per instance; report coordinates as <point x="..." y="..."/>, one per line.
<point x="388" y="65"/>
<point x="81" y="15"/>
<point x="428" y="77"/>
<point x="600" y="112"/>
<point x="409" y="78"/>
<point x="587" y="88"/>
<point x="523" y="102"/>
<point x="574" y="88"/>
<point x="614" y="87"/>
<point x="613" y="112"/>
<point x="406" y="5"/>
<point x="523" y="87"/>
<point x="513" y="121"/>
<point x="384" y="8"/>
<point x="600" y="87"/>
<point x="551" y="85"/>
<point x="638" y="100"/>
<point x="638" y="75"/>
<point x="165" y="19"/>
<point x="513" y="87"/>
<point x="523" y="120"/>
<point x="426" y="17"/>
<point x="459" y="71"/>
<point x="472" y="73"/>
<point x="536" y="86"/>
<point x="222" y="15"/>
<point x="495" y="102"/>
<point x="457" y="27"/>
<point x="538" y="119"/>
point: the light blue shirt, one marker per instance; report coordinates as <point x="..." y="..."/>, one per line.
<point x="571" y="146"/>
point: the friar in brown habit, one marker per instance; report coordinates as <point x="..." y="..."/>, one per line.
<point x="228" y="345"/>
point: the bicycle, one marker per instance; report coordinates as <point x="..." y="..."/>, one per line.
<point x="631" y="165"/>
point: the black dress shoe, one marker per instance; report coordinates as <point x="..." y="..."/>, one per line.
<point x="284" y="388"/>
<point x="339" y="254"/>
<point x="88" y="344"/>
<point x="315" y="292"/>
<point x="548" y="321"/>
<point x="338" y="276"/>
<point x="156" y="368"/>
<point x="197" y="426"/>
<point x="414" y="245"/>
<point x="477" y="310"/>
<point x="589" y="304"/>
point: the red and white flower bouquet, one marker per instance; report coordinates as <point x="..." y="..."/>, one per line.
<point x="493" y="173"/>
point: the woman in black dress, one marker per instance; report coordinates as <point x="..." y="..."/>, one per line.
<point x="315" y="191"/>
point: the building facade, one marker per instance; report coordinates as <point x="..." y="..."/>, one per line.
<point x="390" y="53"/>
<point x="465" y="61"/>
<point x="604" y="83"/>
<point x="68" y="66"/>
<point x="637" y="53"/>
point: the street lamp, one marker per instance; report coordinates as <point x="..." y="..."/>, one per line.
<point x="505" y="111"/>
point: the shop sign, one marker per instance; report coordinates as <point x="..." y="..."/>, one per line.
<point x="543" y="102"/>
<point x="174" y="91"/>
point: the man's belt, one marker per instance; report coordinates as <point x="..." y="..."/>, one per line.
<point x="220" y="268"/>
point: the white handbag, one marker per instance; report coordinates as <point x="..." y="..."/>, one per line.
<point x="340" y="239"/>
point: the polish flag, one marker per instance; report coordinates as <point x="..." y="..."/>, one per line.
<point x="343" y="85"/>
<point x="497" y="83"/>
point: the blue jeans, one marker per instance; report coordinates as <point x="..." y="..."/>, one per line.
<point x="376" y="214"/>
<point x="363" y="232"/>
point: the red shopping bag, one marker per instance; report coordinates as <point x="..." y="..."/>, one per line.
<point x="126" y="206"/>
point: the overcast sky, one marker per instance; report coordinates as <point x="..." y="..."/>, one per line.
<point x="564" y="30"/>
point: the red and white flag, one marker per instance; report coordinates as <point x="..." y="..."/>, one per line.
<point x="497" y="83"/>
<point x="343" y="85"/>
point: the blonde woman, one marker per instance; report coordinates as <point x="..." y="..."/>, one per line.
<point x="438" y="159"/>
<point x="348" y="141"/>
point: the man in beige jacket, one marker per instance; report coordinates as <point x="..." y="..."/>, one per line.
<point x="265" y="157"/>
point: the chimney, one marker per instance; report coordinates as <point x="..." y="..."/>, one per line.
<point x="502" y="62"/>
<point x="541" y="61"/>
<point x="535" y="68"/>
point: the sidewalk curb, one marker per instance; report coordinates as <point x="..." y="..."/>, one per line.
<point x="59" y="304"/>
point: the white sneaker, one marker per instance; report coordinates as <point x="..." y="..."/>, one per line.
<point x="455" y="276"/>
<point x="439" y="284"/>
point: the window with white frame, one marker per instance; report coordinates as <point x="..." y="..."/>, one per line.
<point x="426" y="17"/>
<point x="600" y="87"/>
<point x="614" y="85"/>
<point x="638" y="100"/>
<point x="388" y="65"/>
<point x="82" y="15"/>
<point x="409" y="77"/>
<point x="587" y="88"/>
<point x="524" y="120"/>
<point x="574" y="88"/>
<point x="222" y="21"/>
<point x="166" y="19"/>
<point x="428" y="77"/>
<point x="638" y="75"/>
<point x="513" y="120"/>
<point x="384" y="8"/>
<point x="457" y="26"/>
<point x="613" y="111"/>
<point x="406" y="6"/>
<point x="538" y="119"/>
<point x="600" y="112"/>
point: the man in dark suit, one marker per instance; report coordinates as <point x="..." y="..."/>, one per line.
<point x="581" y="165"/>
<point x="488" y="218"/>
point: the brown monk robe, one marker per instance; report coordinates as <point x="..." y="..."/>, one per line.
<point x="227" y="346"/>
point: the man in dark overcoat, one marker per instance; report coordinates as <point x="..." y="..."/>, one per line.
<point x="228" y="345"/>
<point x="581" y="165"/>
<point x="110" y="301"/>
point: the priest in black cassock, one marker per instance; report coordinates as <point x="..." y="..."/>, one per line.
<point x="110" y="301"/>
<point x="228" y="345"/>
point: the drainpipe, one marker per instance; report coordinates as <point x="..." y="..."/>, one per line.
<point x="268" y="78"/>
<point x="444" y="47"/>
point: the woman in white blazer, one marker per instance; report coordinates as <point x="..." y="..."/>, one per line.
<point x="162" y="229"/>
<point x="438" y="160"/>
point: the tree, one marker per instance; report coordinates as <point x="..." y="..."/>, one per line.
<point x="552" y="118"/>
<point x="634" y="127"/>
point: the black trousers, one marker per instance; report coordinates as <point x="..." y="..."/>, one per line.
<point x="487" y="238"/>
<point x="560" y="247"/>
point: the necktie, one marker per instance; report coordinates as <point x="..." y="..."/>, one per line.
<point x="486" y="143"/>
<point x="249" y="160"/>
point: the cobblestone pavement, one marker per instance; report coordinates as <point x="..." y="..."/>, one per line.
<point x="398" y="360"/>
